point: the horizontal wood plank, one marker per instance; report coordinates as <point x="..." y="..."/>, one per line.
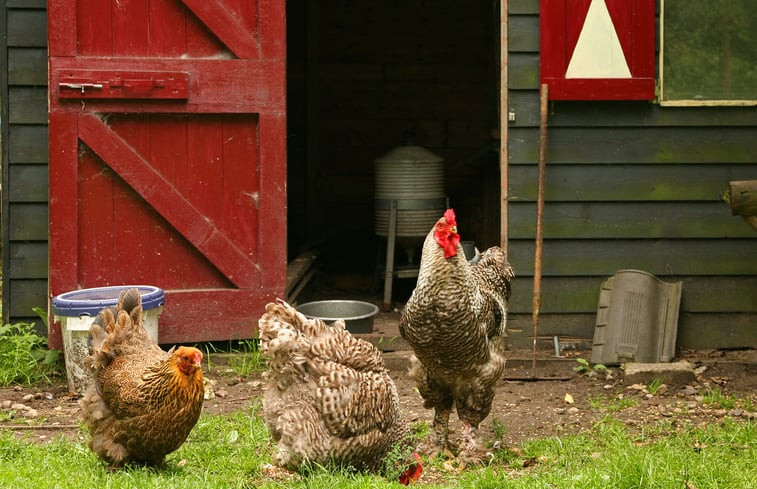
<point x="525" y="105"/>
<point x="695" y="331"/>
<point x="636" y="145"/>
<point x="576" y="294"/>
<point x="29" y="183"/>
<point x="580" y="325"/>
<point x="660" y="257"/>
<point x="27" y="28"/>
<point x="27" y="222"/>
<point x="712" y="330"/>
<point x="27" y="143"/>
<point x="515" y="7"/>
<point x="627" y="183"/>
<point x="234" y="86"/>
<point x="27" y="66"/>
<point x="523" y="34"/>
<point x="25" y="295"/>
<point x="523" y="71"/>
<point x="38" y="4"/>
<point x="28" y="260"/>
<point x="619" y="220"/>
<point x="27" y="105"/>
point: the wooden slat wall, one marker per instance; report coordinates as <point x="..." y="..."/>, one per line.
<point x="25" y="156"/>
<point x="629" y="185"/>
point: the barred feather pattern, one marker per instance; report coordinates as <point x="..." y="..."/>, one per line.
<point x="142" y="406"/>
<point x="455" y="321"/>
<point x="328" y="395"/>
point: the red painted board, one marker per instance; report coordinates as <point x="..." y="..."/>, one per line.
<point x="561" y="22"/>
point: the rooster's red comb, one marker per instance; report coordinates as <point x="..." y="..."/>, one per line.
<point x="449" y="216"/>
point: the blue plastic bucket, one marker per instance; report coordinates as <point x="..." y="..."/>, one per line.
<point x="77" y="309"/>
<point x="89" y="302"/>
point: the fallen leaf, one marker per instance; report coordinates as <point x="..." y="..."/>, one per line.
<point x="529" y="462"/>
<point x="569" y="399"/>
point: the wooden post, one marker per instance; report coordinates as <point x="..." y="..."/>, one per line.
<point x="536" y="303"/>
<point x="503" y="120"/>
<point x="742" y="197"/>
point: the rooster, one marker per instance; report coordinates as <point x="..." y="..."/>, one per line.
<point x="144" y="401"/>
<point x="328" y="396"/>
<point x="455" y="322"/>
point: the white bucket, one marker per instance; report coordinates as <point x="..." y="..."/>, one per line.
<point x="77" y="310"/>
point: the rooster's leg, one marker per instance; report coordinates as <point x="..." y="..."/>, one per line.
<point x="441" y="430"/>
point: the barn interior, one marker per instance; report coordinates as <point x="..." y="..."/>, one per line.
<point x="364" y="79"/>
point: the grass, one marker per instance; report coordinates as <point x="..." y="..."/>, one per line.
<point x="23" y="358"/>
<point x="240" y="357"/>
<point x="231" y="451"/>
<point x="614" y="404"/>
<point x="715" y="397"/>
<point x="248" y="358"/>
<point x="234" y="450"/>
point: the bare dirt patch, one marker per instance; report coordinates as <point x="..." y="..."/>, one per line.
<point x="524" y="407"/>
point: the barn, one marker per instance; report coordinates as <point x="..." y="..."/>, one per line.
<point x="206" y="149"/>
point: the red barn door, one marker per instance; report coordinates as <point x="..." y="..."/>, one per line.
<point x="168" y="156"/>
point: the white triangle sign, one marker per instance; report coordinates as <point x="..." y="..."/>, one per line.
<point x="598" y="53"/>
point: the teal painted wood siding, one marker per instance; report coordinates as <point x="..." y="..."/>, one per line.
<point x="629" y="185"/>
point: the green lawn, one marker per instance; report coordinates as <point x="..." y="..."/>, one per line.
<point x="232" y="451"/>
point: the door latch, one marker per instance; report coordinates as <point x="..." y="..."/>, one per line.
<point x="82" y="86"/>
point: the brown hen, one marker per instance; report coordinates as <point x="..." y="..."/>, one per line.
<point x="455" y="321"/>
<point x="144" y="401"/>
<point x="328" y="396"/>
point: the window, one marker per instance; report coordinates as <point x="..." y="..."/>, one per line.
<point x="708" y="52"/>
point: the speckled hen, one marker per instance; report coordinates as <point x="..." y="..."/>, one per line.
<point x="328" y="396"/>
<point x="455" y="321"/>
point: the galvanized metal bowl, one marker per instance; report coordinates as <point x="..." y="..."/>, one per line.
<point x="358" y="316"/>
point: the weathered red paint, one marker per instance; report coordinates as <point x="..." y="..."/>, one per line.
<point x="560" y="25"/>
<point x="176" y="176"/>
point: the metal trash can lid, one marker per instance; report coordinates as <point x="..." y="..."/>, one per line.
<point x="90" y="302"/>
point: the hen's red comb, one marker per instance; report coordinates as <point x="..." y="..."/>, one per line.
<point x="449" y="216"/>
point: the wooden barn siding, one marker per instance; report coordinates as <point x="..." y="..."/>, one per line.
<point x="629" y="185"/>
<point x="644" y="160"/>
<point x="25" y="157"/>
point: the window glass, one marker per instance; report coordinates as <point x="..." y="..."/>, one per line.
<point x="708" y="52"/>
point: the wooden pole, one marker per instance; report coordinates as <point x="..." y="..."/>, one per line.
<point x="536" y="303"/>
<point x="503" y="120"/>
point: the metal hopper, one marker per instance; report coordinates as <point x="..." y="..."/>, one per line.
<point x="637" y="319"/>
